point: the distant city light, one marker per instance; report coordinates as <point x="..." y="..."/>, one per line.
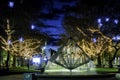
<point x="21" y="39"/>
<point x="11" y="4"/>
<point x="107" y="19"/>
<point x="116" y="21"/>
<point x="32" y="27"/>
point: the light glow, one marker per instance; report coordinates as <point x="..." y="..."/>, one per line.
<point x="9" y="42"/>
<point x="11" y="4"/>
<point x="106" y="19"/>
<point x="116" y="38"/>
<point x="36" y="60"/>
<point x="21" y="39"/>
<point x="99" y="20"/>
<point x="100" y="24"/>
<point x="32" y="27"/>
<point x="94" y="40"/>
<point x="116" y="21"/>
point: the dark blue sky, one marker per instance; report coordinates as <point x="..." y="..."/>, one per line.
<point x="54" y="26"/>
<point x="50" y="12"/>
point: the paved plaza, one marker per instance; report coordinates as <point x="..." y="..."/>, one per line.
<point x="12" y="77"/>
<point x="21" y="77"/>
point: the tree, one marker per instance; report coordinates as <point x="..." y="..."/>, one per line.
<point x="23" y="14"/>
<point x="7" y="43"/>
<point x="24" y="48"/>
<point x="86" y="14"/>
<point x="96" y="45"/>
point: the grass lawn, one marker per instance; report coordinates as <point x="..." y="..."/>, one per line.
<point x="102" y="70"/>
<point x="23" y="69"/>
<point x="98" y="70"/>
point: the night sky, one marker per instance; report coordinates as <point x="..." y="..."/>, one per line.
<point x="50" y="13"/>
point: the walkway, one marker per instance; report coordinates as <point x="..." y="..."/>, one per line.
<point x="21" y="77"/>
<point x="12" y="77"/>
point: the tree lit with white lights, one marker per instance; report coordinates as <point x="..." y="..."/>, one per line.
<point x="19" y="48"/>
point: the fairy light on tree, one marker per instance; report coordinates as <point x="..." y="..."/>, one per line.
<point x="20" y="48"/>
<point x="95" y="48"/>
<point x="26" y="48"/>
<point x="7" y="43"/>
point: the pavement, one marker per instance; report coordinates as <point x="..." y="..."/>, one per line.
<point x="12" y="77"/>
<point x="26" y="76"/>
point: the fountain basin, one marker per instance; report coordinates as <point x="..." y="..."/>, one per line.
<point x="75" y="76"/>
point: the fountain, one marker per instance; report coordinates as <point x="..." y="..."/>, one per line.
<point x="71" y="57"/>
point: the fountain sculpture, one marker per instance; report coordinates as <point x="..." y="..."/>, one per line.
<point x="70" y="55"/>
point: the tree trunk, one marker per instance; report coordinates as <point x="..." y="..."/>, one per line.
<point x="22" y="61"/>
<point x="14" y="61"/>
<point x="99" y="61"/>
<point x="110" y="64"/>
<point x="7" y="61"/>
<point x="112" y="58"/>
